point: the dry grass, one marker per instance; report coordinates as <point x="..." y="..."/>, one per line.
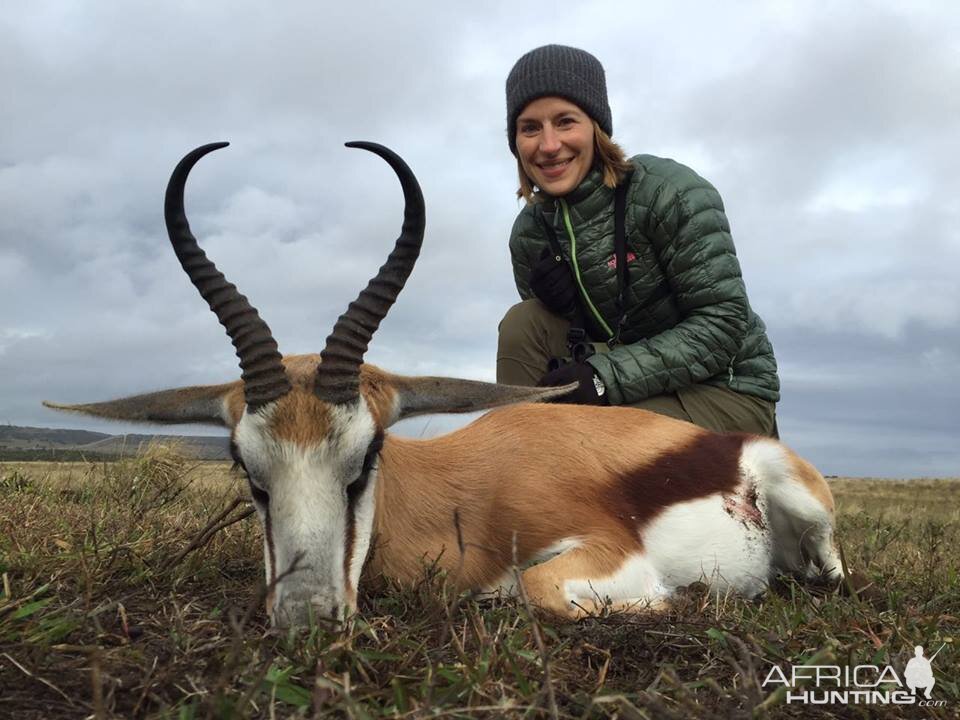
<point x="99" y="617"/>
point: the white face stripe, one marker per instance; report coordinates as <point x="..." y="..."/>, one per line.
<point x="309" y="516"/>
<point x="308" y="519"/>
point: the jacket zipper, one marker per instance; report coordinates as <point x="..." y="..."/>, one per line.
<point x="576" y="268"/>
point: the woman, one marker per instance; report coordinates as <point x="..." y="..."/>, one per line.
<point x="675" y="333"/>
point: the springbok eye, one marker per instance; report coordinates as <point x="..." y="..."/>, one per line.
<point x="356" y="488"/>
<point x="237" y="460"/>
<point x="260" y="496"/>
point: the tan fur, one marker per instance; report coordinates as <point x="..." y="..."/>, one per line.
<point x="380" y="394"/>
<point x="811" y="479"/>
<point x="301" y="418"/>
<point x="574" y="461"/>
<point x="572" y="479"/>
<point x="302" y="369"/>
<point x="375" y="384"/>
<point x="234" y="401"/>
<point x="544" y="583"/>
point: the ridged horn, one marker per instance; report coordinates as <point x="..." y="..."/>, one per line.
<point x="338" y="377"/>
<point x="264" y="379"/>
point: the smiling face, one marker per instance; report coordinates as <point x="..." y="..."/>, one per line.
<point x="555" y="141"/>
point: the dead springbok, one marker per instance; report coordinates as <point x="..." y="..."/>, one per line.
<point x="611" y="505"/>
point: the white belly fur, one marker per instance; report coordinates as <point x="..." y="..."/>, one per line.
<point x="701" y="540"/>
<point x="689" y="542"/>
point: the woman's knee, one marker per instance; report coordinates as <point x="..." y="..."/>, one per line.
<point x="530" y="321"/>
<point x="522" y="315"/>
<point x="529" y="335"/>
<point x="724" y="410"/>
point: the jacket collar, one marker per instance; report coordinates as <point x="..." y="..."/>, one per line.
<point x="584" y="201"/>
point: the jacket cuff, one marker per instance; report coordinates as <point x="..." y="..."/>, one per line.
<point x="604" y="369"/>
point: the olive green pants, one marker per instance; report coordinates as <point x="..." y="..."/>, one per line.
<point x="530" y="335"/>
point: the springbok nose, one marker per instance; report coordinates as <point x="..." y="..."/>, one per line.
<point x="304" y="616"/>
<point x="298" y="608"/>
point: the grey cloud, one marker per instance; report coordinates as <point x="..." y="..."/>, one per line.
<point x="830" y="134"/>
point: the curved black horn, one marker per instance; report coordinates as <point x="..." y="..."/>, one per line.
<point x="338" y="377"/>
<point x="264" y="379"/>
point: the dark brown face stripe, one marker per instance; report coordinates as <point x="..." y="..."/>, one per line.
<point x="348" y="548"/>
<point x="354" y="491"/>
<point x="271" y="553"/>
<point x="708" y="465"/>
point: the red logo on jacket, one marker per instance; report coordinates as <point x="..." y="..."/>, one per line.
<point x="612" y="262"/>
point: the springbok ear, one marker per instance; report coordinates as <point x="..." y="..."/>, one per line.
<point x="423" y="395"/>
<point x="207" y="404"/>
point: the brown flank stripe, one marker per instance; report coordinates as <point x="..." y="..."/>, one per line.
<point x="708" y="465"/>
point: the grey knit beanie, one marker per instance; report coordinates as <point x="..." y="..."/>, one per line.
<point x="559" y="70"/>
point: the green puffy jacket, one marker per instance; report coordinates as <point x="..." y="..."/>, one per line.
<point x="687" y="319"/>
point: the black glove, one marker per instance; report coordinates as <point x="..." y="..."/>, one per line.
<point x="552" y="282"/>
<point x="591" y="390"/>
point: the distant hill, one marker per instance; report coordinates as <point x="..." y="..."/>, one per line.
<point x="31" y="443"/>
<point x="13" y="436"/>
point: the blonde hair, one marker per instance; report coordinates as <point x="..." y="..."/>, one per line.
<point x="607" y="155"/>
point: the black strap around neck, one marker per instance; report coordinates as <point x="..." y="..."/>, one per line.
<point x="579" y="315"/>
<point x="551" y="235"/>
<point x="620" y="250"/>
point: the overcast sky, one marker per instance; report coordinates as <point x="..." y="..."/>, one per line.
<point x="830" y="129"/>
